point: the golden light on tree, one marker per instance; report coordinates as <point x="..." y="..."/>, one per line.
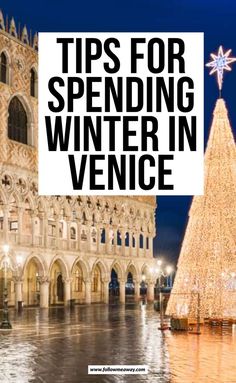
<point x="207" y="262"/>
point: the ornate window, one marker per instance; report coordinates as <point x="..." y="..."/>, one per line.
<point x="141" y="241"/>
<point x="127" y="239"/>
<point x="72" y="233"/>
<point x="3" y="68"/>
<point x="118" y="238"/>
<point x="103" y="235"/>
<point x="133" y="240"/>
<point x="33" y="83"/>
<point x="17" y="121"/>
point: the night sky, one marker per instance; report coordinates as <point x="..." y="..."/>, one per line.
<point x="217" y="19"/>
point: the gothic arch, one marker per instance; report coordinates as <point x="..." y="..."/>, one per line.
<point x="33" y="81"/>
<point x="131" y="268"/>
<point x="8" y="67"/>
<point x="41" y="205"/>
<point x="84" y="266"/>
<point x="118" y="269"/>
<point x="63" y="265"/>
<point x="29" y="113"/>
<point x="38" y="261"/>
<point x="30" y="200"/>
<point x="14" y="196"/>
<point x="102" y="266"/>
<point x="3" y="196"/>
<point x="145" y="269"/>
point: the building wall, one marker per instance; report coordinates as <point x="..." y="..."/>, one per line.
<point x="61" y="248"/>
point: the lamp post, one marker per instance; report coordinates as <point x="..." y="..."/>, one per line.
<point x="5" y="325"/>
<point x="160" y="272"/>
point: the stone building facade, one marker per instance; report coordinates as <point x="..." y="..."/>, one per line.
<point x="60" y="248"/>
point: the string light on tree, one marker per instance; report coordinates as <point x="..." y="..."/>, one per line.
<point x="208" y="253"/>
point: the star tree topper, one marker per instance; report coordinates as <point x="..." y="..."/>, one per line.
<point x="220" y="63"/>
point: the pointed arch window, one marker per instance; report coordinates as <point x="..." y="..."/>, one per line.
<point x="141" y="241"/>
<point x="17" y="121"/>
<point x="72" y="233"/>
<point x="3" y="68"/>
<point x="33" y="83"/>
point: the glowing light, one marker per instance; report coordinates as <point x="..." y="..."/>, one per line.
<point x="6" y="248"/>
<point x="169" y="270"/>
<point x="219" y="63"/>
<point x="207" y="254"/>
<point x="19" y="260"/>
<point x="159" y="262"/>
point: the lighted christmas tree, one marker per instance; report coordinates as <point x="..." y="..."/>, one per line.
<point x="207" y="262"/>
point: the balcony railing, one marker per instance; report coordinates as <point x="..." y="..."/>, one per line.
<point x="73" y="245"/>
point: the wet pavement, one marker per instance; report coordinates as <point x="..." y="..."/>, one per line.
<point x="57" y="345"/>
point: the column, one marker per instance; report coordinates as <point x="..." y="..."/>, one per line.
<point x="88" y="229"/>
<point x="41" y="233"/>
<point x="79" y="235"/>
<point x="136" y="236"/>
<point x="106" y="291"/>
<point x="98" y="238"/>
<point x="87" y="291"/>
<point x="144" y="244"/>
<point x="136" y="290"/>
<point x="122" y="291"/>
<point x="67" y="290"/>
<point x="33" y="215"/>
<point x="130" y="243"/>
<point x="5" y="224"/>
<point x="151" y="246"/>
<point x="68" y="233"/>
<point x="115" y="228"/>
<point x="150" y="291"/>
<point x="45" y="230"/>
<point x="123" y="241"/>
<point x="20" y="215"/>
<point x="107" y="239"/>
<point x="44" y="292"/>
<point x="57" y="244"/>
<point x="18" y="291"/>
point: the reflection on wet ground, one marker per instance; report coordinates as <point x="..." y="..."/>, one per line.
<point x="57" y="345"/>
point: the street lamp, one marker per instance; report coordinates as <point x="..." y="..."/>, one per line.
<point x="5" y="325"/>
<point x="165" y="272"/>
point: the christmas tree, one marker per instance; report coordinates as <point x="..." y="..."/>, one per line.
<point x="206" y="274"/>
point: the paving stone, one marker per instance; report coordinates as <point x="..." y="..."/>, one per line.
<point x="56" y="346"/>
